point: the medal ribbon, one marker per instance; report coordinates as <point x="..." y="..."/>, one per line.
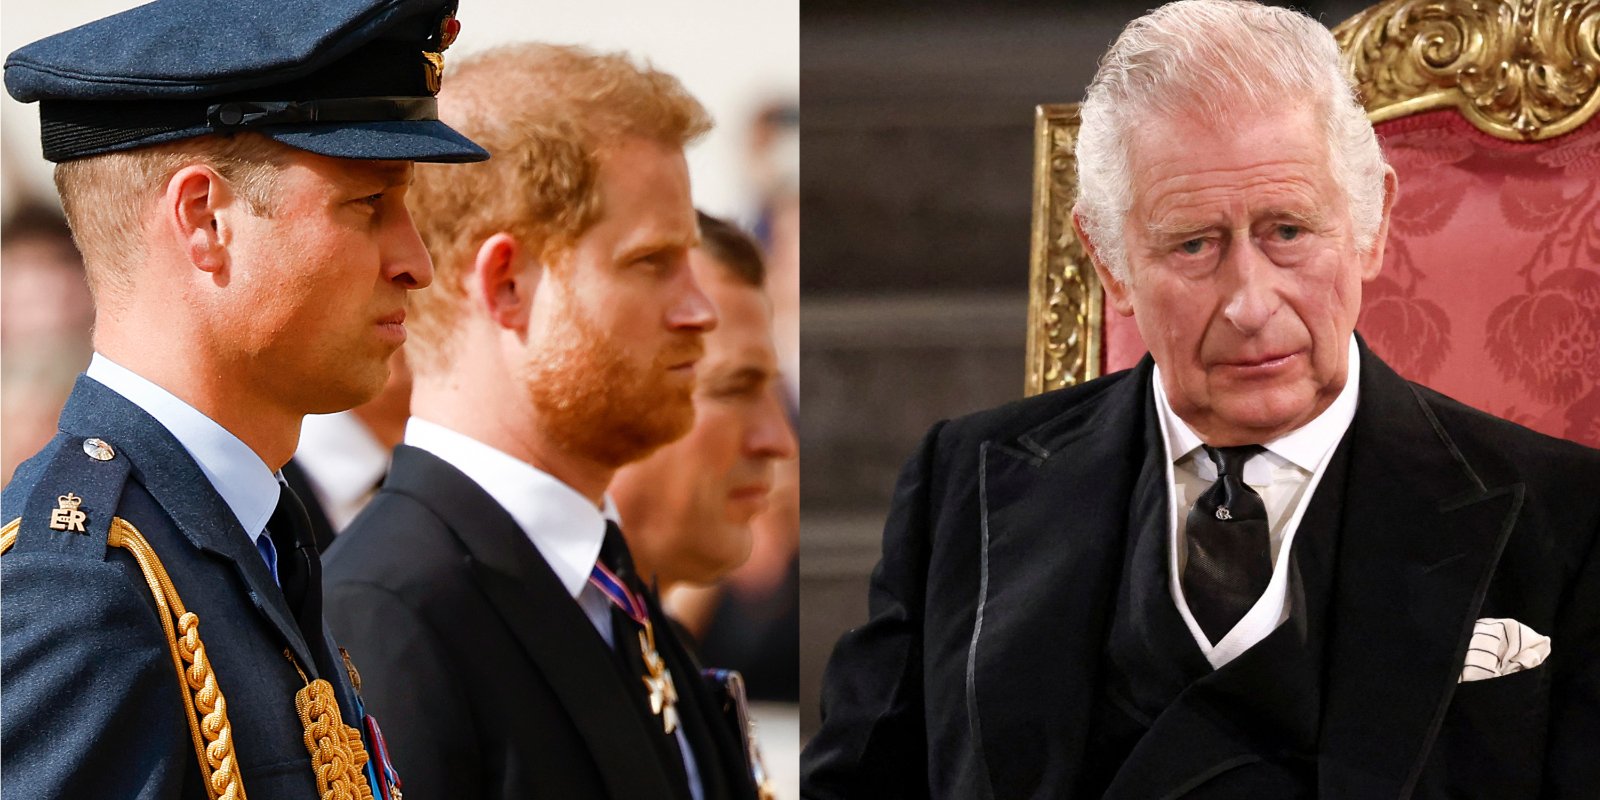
<point x="618" y="593"/>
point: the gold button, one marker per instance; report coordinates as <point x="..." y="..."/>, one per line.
<point x="98" y="449"/>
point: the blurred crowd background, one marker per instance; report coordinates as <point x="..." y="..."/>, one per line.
<point x="741" y="60"/>
<point x="918" y="180"/>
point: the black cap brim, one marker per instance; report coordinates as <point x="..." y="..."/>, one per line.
<point x="397" y="140"/>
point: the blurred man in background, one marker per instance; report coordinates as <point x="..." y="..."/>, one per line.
<point x="44" y="328"/>
<point x="487" y="590"/>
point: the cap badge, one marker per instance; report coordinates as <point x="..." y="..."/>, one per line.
<point x="433" y="62"/>
<point x="66" y="516"/>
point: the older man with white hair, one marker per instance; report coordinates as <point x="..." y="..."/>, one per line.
<point x="1260" y="564"/>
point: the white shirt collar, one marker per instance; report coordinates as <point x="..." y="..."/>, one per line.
<point x="343" y="459"/>
<point x="1304" y="447"/>
<point x="235" y="471"/>
<point x="564" y="525"/>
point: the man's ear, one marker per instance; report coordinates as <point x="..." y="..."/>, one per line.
<point x="192" y="209"/>
<point x="1117" y="295"/>
<point x="505" y="286"/>
<point x="1372" y="263"/>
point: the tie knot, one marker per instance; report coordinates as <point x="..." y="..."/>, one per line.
<point x="614" y="552"/>
<point x="289" y="520"/>
<point x="1231" y="460"/>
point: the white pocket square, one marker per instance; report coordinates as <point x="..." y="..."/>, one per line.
<point x="1501" y="647"/>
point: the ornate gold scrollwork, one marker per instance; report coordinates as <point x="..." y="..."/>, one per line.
<point x="1524" y="70"/>
<point x="1064" y="308"/>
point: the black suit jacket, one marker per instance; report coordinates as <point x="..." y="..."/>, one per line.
<point x="976" y="673"/>
<point x="488" y="679"/>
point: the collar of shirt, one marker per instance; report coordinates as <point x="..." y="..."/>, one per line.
<point x="344" y="461"/>
<point x="1304" y="447"/>
<point x="239" y="475"/>
<point x="564" y="525"/>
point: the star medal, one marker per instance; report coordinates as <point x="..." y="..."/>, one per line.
<point x="663" y="694"/>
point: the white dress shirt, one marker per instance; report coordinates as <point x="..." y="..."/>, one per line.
<point x="344" y="463"/>
<point x="239" y="475"/>
<point x="1285" y="474"/>
<point x="565" y="527"/>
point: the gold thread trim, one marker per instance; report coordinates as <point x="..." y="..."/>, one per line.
<point x="338" y="757"/>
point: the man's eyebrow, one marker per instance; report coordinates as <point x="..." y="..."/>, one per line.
<point x="1309" y="219"/>
<point x="743" y="373"/>
<point x="386" y="175"/>
<point x="1164" y="231"/>
<point x="1178" y="230"/>
<point x="657" y="243"/>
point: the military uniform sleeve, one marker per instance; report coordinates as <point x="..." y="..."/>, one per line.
<point x="872" y="742"/>
<point x="92" y="706"/>
<point x="407" y="687"/>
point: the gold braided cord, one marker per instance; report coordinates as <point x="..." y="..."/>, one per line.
<point x="337" y="755"/>
<point x="207" y="709"/>
<point x="202" y="697"/>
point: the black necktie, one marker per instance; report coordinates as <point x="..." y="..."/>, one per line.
<point x="299" y="570"/>
<point x="1228" y="546"/>
<point x="625" y="631"/>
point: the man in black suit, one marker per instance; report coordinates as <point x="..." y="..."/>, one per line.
<point x="487" y="590"/>
<point x="241" y="211"/>
<point x="1260" y="564"/>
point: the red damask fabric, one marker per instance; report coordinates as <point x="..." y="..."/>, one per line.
<point x="1490" y="291"/>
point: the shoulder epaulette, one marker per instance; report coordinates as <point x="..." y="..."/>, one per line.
<point x="70" y="506"/>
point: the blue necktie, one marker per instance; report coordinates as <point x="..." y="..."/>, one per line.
<point x="269" y="553"/>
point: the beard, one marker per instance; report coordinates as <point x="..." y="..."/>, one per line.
<point x="597" y="401"/>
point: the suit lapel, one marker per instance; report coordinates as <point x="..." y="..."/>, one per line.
<point x="1421" y="537"/>
<point x="168" y="472"/>
<point x="1054" y="508"/>
<point x="555" y="634"/>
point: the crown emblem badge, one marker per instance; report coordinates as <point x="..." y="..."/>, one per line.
<point x="66" y="516"/>
<point x="433" y="61"/>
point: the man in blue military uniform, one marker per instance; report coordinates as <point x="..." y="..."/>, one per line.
<point x="235" y="175"/>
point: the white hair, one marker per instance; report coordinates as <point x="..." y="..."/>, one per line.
<point x="1214" y="59"/>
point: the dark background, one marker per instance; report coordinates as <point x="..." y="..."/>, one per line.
<point x="917" y="154"/>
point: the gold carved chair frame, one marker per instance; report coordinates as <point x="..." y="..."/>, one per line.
<point x="1521" y="70"/>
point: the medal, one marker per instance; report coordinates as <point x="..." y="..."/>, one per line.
<point x="657" y="678"/>
<point x="663" y="695"/>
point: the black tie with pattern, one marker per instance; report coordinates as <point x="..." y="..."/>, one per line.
<point x="1228" y="546"/>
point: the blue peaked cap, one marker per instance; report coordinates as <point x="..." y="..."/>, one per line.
<point x="341" y="78"/>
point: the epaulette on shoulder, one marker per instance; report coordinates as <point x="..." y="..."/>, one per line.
<point x="70" y="505"/>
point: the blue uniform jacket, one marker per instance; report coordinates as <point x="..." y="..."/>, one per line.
<point x="93" y="704"/>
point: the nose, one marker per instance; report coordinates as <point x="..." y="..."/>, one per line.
<point x="1252" y="295"/>
<point x="405" y="260"/>
<point x="692" y="310"/>
<point x="770" y="435"/>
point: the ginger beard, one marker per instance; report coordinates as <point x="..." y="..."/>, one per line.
<point x="597" y="400"/>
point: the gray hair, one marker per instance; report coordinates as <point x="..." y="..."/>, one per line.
<point x="1213" y="58"/>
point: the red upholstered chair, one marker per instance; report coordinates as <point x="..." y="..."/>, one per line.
<point x="1490" y="290"/>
